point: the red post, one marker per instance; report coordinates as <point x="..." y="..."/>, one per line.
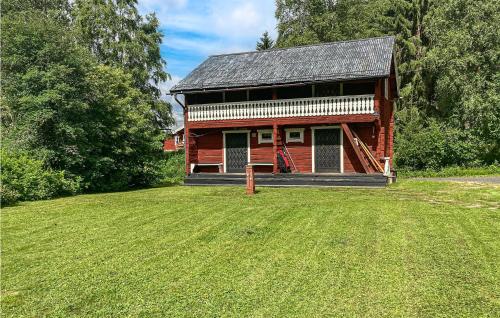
<point x="187" y="140"/>
<point x="250" y="180"/>
<point x="275" y="149"/>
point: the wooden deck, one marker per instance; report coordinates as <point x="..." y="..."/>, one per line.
<point x="288" y="180"/>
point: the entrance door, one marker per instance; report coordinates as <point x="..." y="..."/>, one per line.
<point x="327" y="150"/>
<point x="236" y="152"/>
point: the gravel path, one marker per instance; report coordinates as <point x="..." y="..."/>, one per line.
<point x="492" y="179"/>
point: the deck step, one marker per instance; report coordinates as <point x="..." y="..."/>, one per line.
<point x="318" y="180"/>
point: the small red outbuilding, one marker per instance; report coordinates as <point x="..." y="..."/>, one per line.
<point x="174" y="140"/>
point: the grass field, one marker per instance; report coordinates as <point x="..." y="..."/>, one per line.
<point x="416" y="249"/>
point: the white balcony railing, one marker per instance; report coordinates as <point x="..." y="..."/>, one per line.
<point x="316" y="106"/>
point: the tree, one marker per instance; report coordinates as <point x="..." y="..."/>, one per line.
<point x="72" y="112"/>
<point x="447" y="53"/>
<point x="265" y="42"/>
<point x="464" y="59"/>
<point x="315" y="21"/>
<point x="117" y="35"/>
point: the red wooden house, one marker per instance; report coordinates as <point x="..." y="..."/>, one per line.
<point x="174" y="140"/>
<point x="317" y="112"/>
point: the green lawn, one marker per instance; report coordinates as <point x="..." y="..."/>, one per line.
<point x="416" y="249"/>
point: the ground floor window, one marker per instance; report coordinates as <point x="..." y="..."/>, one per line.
<point x="294" y="135"/>
<point x="265" y="136"/>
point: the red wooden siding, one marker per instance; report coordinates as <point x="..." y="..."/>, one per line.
<point x="260" y="152"/>
<point x="301" y="153"/>
<point x="209" y="144"/>
<point x="204" y="142"/>
<point x="169" y="144"/>
<point x="209" y="148"/>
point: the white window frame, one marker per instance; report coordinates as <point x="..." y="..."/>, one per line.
<point x="265" y="131"/>
<point x="224" y="133"/>
<point x="313" y="129"/>
<point x="290" y="130"/>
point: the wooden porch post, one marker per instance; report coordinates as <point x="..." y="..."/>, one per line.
<point x="275" y="149"/>
<point x="187" y="140"/>
<point x="379" y="107"/>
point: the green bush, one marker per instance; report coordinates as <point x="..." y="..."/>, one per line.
<point x="24" y="178"/>
<point x="8" y="196"/>
<point x="435" y="146"/>
<point x="172" y="168"/>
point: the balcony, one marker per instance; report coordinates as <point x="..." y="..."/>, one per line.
<point x="305" y="107"/>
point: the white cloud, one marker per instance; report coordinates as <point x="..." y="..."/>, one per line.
<point x="243" y="19"/>
<point x="238" y="23"/>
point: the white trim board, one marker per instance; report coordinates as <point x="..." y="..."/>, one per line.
<point x="224" y="132"/>
<point x="341" y="146"/>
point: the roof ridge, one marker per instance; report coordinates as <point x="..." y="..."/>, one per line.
<point x="301" y="46"/>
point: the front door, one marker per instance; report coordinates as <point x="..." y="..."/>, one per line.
<point x="327" y="150"/>
<point x="236" y="152"/>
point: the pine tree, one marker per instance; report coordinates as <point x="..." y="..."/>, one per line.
<point x="265" y="42"/>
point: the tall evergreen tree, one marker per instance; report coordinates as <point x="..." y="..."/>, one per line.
<point x="265" y="42"/>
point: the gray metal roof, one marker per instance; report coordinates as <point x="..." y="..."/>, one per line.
<point x="347" y="60"/>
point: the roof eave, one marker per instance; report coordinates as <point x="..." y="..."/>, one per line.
<point x="230" y="88"/>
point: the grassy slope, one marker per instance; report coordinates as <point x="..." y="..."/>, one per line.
<point x="416" y="249"/>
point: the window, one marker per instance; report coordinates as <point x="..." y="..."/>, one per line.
<point x="265" y="136"/>
<point x="294" y="135"/>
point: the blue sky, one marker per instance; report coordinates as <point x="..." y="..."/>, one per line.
<point x="195" y="29"/>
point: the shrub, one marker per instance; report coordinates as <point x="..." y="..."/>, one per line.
<point x="25" y="178"/>
<point x="8" y="196"/>
<point x="435" y="146"/>
<point x="172" y="168"/>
